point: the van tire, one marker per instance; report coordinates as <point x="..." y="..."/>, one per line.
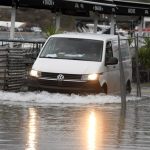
<point x="128" y="87"/>
<point x="104" y="89"/>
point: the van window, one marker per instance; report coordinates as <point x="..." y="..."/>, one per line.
<point x="115" y="48"/>
<point x="124" y="49"/>
<point x="109" y="52"/>
<point x="73" y="48"/>
<point x="124" y="46"/>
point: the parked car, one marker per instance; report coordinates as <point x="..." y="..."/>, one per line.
<point x="81" y="62"/>
<point x="36" y="29"/>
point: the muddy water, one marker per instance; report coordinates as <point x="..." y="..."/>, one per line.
<point x="43" y="121"/>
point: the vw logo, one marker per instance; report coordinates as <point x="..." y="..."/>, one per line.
<point x="60" y="77"/>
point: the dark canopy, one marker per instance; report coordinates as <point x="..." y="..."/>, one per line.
<point x="83" y="7"/>
<point x="6" y="2"/>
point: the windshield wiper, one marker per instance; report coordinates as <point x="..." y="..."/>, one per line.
<point x="47" y="57"/>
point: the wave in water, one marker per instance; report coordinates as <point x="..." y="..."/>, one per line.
<point x="56" y="98"/>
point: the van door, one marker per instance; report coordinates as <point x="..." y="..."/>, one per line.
<point x="112" y="71"/>
<point x="127" y="64"/>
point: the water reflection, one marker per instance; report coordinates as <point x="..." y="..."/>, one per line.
<point x="92" y="131"/>
<point x="121" y="126"/>
<point x="75" y="128"/>
<point x="32" y="130"/>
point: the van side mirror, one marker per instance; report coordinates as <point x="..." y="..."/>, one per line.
<point x="111" y="61"/>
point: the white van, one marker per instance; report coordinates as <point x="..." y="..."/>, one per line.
<point x="81" y="62"/>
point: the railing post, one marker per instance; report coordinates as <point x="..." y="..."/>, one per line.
<point x="122" y="78"/>
<point x="137" y="66"/>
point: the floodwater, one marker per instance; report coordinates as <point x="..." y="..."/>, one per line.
<point x="45" y="121"/>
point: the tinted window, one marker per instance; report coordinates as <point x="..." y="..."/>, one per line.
<point x="109" y="52"/>
<point x="124" y="49"/>
<point x="72" y="48"/>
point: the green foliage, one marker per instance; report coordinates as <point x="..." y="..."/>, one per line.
<point x="50" y="30"/>
<point x="144" y="53"/>
<point x="130" y="40"/>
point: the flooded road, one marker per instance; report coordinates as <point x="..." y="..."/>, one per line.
<point x="44" y="121"/>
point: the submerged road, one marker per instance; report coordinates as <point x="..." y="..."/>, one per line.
<point x="44" y="121"/>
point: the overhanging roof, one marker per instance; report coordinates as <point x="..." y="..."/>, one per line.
<point x="83" y="7"/>
<point x="6" y="2"/>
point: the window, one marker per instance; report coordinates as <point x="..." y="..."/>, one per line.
<point x="73" y="48"/>
<point x="109" y="52"/>
<point x="124" y="49"/>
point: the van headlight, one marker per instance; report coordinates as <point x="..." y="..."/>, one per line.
<point x="90" y="77"/>
<point x="35" y="73"/>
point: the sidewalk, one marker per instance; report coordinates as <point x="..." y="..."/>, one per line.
<point x="145" y="89"/>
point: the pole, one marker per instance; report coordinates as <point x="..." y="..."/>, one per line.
<point x="112" y="30"/>
<point x="95" y="23"/>
<point x="122" y="78"/>
<point x="137" y="67"/>
<point x="57" y="21"/>
<point x="12" y="29"/>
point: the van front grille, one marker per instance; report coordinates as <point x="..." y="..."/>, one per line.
<point x="66" y="76"/>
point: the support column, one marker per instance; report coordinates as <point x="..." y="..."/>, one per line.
<point x="141" y="25"/>
<point x="12" y="29"/>
<point x="113" y="23"/>
<point x="138" y="86"/>
<point x="58" y="21"/>
<point x="95" y="23"/>
<point x="140" y="32"/>
<point x="122" y="78"/>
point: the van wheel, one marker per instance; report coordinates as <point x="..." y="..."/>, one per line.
<point x="104" y="89"/>
<point x="128" y="87"/>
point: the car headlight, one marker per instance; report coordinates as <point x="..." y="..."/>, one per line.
<point x="90" y="77"/>
<point x="35" y="73"/>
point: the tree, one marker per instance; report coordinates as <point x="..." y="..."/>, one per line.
<point x="144" y="54"/>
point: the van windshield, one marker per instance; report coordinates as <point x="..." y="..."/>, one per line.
<point x="73" y="48"/>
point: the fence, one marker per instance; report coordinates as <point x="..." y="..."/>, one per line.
<point x="13" y="70"/>
<point x="32" y="47"/>
<point x="143" y="45"/>
<point x="15" y="62"/>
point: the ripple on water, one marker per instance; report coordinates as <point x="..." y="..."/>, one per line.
<point x="57" y="98"/>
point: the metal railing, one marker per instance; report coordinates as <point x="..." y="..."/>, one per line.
<point x="12" y="69"/>
<point x="15" y="62"/>
<point x="32" y="48"/>
<point x="144" y="72"/>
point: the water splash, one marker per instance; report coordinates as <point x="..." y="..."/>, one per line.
<point x="57" y="98"/>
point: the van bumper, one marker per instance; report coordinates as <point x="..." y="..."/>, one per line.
<point x="63" y="86"/>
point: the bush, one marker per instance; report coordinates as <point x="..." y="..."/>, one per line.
<point x="144" y="54"/>
<point x="50" y="30"/>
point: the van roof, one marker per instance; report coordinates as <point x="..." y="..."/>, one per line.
<point x="94" y="36"/>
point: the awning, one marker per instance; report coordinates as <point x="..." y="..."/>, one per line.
<point x="6" y="2"/>
<point x="83" y="7"/>
<point x="40" y="4"/>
